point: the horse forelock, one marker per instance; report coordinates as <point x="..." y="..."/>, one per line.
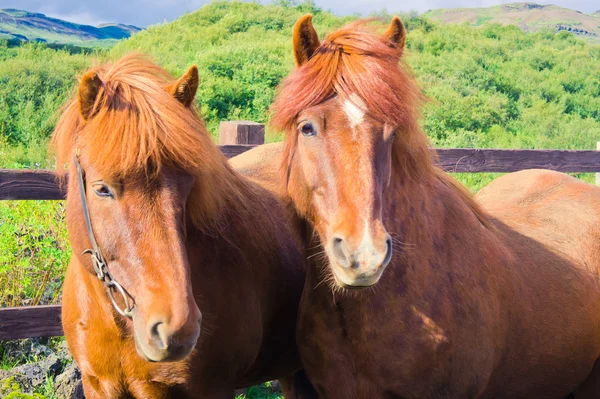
<point x="137" y="128"/>
<point x="354" y="62"/>
<point x="351" y="61"/>
<point x="137" y="125"/>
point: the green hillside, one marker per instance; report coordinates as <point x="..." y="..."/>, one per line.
<point x="19" y="25"/>
<point x="530" y="17"/>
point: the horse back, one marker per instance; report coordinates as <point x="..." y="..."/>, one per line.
<point x="554" y="209"/>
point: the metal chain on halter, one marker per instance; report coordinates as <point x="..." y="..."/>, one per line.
<point x="98" y="262"/>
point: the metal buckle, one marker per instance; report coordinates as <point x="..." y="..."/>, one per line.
<point x="101" y="270"/>
<point x="110" y="284"/>
<point x="99" y="266"/>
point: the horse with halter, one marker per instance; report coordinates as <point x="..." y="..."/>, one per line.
<point x="497" y="299"/>
<point x="171" y="291"/>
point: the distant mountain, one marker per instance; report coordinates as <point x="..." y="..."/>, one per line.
<point x="530" y="17"/>
<point x="27" y="26"/>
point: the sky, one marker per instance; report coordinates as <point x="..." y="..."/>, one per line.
<point x="147" y="12"/>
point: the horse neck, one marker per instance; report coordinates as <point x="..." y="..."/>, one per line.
<point x="236" y="214"/>
<point x="218" y="194"/>
<point x="428" y="219"/>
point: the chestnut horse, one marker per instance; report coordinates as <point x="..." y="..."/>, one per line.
<point x="503" y="303"/>
<point x="204" y="302"/>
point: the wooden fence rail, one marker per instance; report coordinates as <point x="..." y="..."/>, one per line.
<point x="30" y="322"/>
<point x="42" y="184"/>
<point x="235" y="138"/>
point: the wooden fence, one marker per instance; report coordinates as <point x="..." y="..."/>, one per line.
<point x="240" y="136"/>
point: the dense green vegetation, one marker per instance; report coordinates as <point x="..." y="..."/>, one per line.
<point x="35" y="81"/>
<point x="493" y="86"/>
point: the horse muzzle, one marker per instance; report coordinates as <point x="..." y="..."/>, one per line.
<point x="163" y="341"/>
<point x="360" y="267"/>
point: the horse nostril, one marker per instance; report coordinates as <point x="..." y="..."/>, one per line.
<point x="388" y="254"/>
<point x="339" y="251"/>
<point x="158" y="335"/>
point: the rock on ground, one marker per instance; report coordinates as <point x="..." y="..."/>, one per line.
<point x="68" y="385"/>
<point x="56" y="364"/>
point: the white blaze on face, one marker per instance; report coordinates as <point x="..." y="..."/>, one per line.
<point x="354" y="109"/>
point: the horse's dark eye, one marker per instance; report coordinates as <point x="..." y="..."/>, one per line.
<point x="102" y="190"/>
<point x="307" y="129"/>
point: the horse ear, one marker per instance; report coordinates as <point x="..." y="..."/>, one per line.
<point x="184" y="89"/>
<point x="88" y="93"/>
<point x="306" y="40"/>
<point x="395" y="35"/>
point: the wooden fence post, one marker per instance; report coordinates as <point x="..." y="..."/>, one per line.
<point x="598" y="174"/>
<point x="241" y="132"/>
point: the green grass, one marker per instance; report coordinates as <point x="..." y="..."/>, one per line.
<point x="34" y="251"/>
<point x="47" y="389"/>
<point x="482" y="19"/>
<point x="261" y="392"/>
<point x="7" y="363"/>
<point x="11" y="389"/>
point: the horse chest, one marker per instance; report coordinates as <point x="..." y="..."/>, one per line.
<point x="113" y="368"/>
<point x="359" y="349"/>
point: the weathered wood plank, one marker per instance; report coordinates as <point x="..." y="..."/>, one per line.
<point x="30" y="322"/>
<point x="41" y="184"/>
<point x="231" y="151"/>
<point x="29" y="184"/>
<point x="504" y="161"/>
<point x="241" y="132"/>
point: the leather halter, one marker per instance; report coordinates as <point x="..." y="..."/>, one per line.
<point x="98" y="261"/>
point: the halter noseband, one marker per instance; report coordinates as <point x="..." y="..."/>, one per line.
<point x="98" y="262"/>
